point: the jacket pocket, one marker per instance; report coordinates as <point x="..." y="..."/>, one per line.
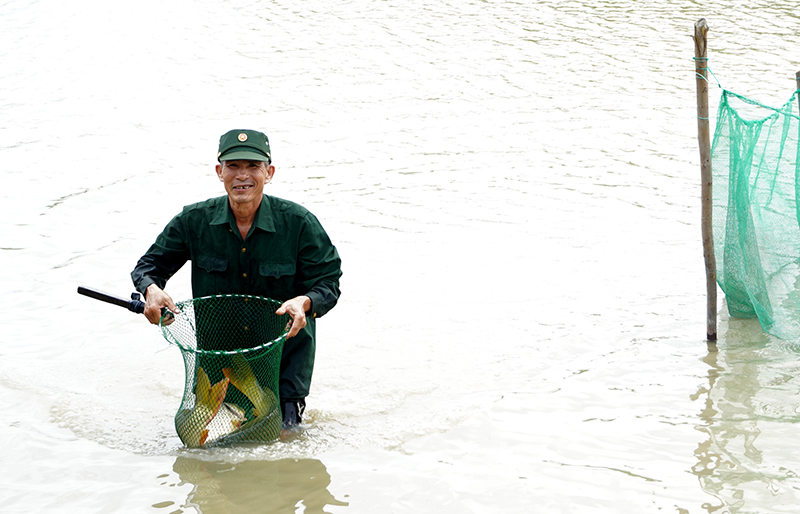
<point x="276" y="269"/>
<point x="212" y="264"/>
<point x="278" y="279"/>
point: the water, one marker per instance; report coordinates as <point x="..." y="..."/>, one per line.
<point x="514" y="190"/>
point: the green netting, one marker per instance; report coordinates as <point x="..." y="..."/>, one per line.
<point x="231" y="347"/>
<point x="756" y="224"/>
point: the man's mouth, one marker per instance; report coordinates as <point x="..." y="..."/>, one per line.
<point x="242" y="187"/>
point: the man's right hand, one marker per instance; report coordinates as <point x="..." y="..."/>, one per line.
<point x="156" y="299"/>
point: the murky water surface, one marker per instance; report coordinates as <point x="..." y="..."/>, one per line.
<point x="513" y="188"/>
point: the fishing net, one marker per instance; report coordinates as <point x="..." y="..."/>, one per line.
<point x="231" y="347"/>
<point x="756" y="222"/>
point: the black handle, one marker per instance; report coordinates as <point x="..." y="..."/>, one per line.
<point x="134" y="304"/>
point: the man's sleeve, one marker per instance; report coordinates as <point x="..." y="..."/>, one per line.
<point x="164" y="258"/>
<point x="320" y="267"/>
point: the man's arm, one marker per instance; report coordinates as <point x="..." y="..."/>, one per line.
<point x="162" y="260"/>
<point x="320" y="268"/>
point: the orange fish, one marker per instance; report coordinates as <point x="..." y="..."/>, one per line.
<point x="192" y="424"/>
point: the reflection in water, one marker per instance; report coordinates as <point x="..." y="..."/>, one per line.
<point x="750" y="386"/>
<point x="272" y="487"/>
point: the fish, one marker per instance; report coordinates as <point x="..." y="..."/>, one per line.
<point x="192" y="424"/>
<point x="229" y="418"/>
<point x="241" y="376"/>
<point x="265" y="417"/>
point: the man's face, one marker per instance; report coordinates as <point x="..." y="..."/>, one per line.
<point x="244" y="180"/>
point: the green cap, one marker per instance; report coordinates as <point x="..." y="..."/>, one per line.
<point x="244" y="144"/>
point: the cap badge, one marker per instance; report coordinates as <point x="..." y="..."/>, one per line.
<point x="242" y="137"/>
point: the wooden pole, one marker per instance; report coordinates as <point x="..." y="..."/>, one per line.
<point x="704" y="139"/>
<point x="797" y="78"/>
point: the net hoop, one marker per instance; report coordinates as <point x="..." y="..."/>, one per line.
<point x="187" y="311"/>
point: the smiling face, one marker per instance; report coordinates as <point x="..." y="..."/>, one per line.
<point x="244" y="181"/>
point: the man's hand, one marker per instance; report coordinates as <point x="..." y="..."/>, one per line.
<point x="156" y="299"/>
<point x="296" y="308"/>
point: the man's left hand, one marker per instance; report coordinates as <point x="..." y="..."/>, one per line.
<point x="296" y="308"/>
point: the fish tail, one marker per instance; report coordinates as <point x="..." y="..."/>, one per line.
<point x="241" y="375"/>
<point x="210" y="396"/>
<point x="243" y="379"/>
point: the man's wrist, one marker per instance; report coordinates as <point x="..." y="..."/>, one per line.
<point x="147" y="290"/>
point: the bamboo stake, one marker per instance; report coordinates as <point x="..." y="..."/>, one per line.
<point x="704" y="140"/>
<point x="797" y="78"/>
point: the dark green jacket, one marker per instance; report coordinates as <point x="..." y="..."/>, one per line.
<point x="286" y="254"/>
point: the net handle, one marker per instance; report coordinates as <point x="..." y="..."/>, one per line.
<point x="135" y="304"/>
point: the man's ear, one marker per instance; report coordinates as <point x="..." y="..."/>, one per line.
<point x="218" y="167"/>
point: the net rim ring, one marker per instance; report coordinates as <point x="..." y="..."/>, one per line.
<point x="172" y="340"/>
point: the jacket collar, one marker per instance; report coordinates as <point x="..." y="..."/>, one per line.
<point x="224" y="215"/>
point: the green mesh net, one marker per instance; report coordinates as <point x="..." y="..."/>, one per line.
<point x="231" y="347"/>
<point x="756" y="223"/>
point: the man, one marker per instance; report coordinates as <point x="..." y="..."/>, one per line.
<point x="251" y="243"/>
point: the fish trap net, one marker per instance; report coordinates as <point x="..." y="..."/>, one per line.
<point x="231" y="347"/>
<point x="756" y="173"/>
